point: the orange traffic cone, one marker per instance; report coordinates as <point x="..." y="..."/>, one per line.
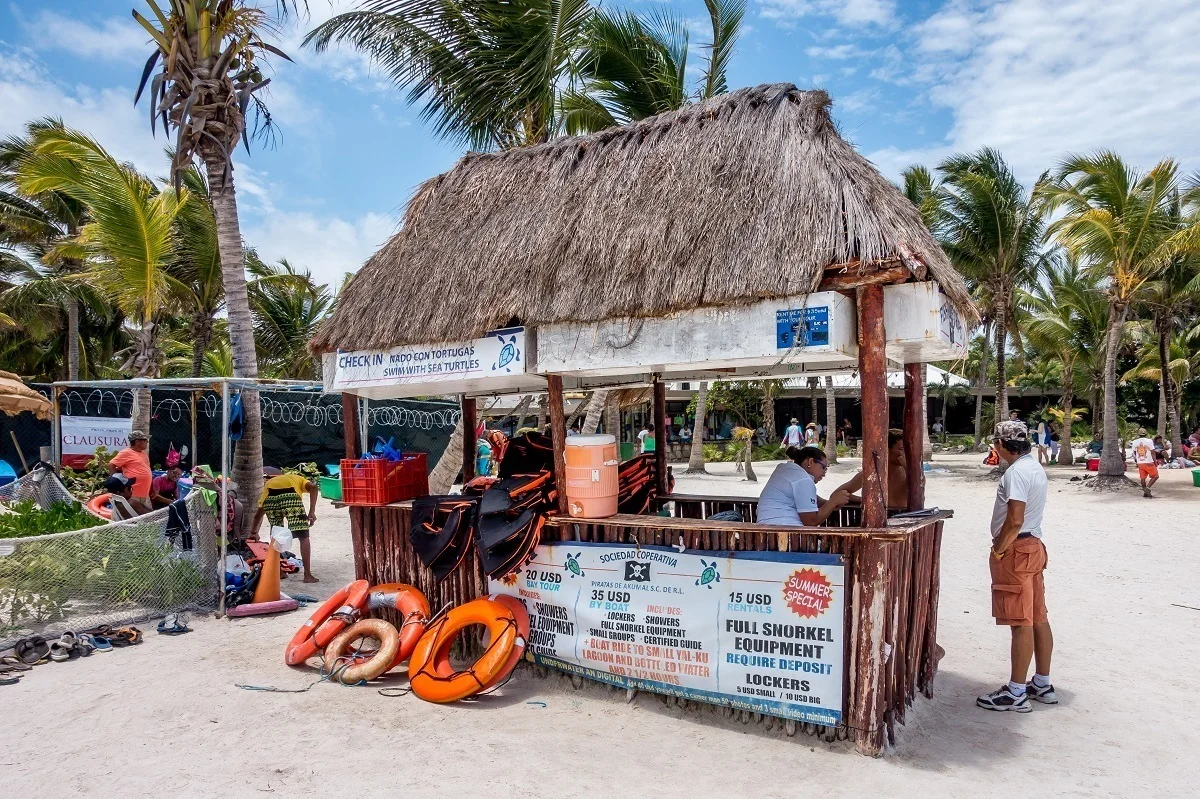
<point x="268" y="581"/>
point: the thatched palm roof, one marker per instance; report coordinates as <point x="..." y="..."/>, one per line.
<point x="746" y="196"/>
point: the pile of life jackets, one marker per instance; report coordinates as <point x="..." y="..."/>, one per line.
<point x="502" y="516"/>
<point x="636" y="488"/>
<point x="337" y="630"/>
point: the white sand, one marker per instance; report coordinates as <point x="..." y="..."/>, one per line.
<point x="165" y="718"/>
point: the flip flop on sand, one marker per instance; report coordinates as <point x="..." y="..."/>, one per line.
<point x="9" y="678"/>
<point x="10" y="663"/>
<point x="174" y="624"/>
<point x="126" y="636"/>
<point x="32" y="650"/>
<point x="64" y="649"/>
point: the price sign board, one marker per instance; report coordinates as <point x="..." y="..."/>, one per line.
<point x="759" y="631"/>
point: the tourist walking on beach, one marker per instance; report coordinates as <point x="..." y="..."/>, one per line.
<point x="793" y="436"/>
<point x="1018" y="559"/>
<point x="1143" y="455"/>
<point x="282" y="501"/>
<point x="134" y="463"/>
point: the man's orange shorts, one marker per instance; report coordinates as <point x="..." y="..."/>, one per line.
<point x="1147" y="470"/>
<point x="1018" y="589"/>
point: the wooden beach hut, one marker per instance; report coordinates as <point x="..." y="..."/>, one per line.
<point x="738" y="237"/>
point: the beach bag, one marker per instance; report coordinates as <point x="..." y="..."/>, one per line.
<point x="173" y="457"/>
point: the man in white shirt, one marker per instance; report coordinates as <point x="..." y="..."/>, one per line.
<point x="793" y="436"/>
<point x="1143" y="455"/>
<point x="1018" y="559"/>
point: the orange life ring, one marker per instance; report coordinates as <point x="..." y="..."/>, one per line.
<point x="429" y="671"/>
<point x="99" y="506"/>
<point x="380" y="659"/>
<point x="522" y="616"/>
<point x="413" y="607"/>
<point x="329" y="620"/>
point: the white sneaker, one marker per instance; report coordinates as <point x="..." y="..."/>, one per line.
<point x="1044" y="695"/>
<point x="1004" y="699"/>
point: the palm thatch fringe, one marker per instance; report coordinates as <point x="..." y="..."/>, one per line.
<point x="746" y="196"/>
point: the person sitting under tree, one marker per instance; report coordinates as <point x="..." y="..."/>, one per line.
<point x="281" y="502"/>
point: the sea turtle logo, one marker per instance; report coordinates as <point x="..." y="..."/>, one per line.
<point x="709" y="575"/>
<point x="508" y="354"/>
<point x="572" y="565"/>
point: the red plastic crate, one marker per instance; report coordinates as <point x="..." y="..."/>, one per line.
<point x="374" y="481"/>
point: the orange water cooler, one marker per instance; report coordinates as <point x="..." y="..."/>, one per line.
<point x="592" y="476"/>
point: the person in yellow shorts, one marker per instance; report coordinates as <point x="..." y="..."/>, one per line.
<point x="281" y="502"/>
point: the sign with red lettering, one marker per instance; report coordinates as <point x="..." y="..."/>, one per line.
<point x="83" y="435"/>
<point x="758" y="631"/>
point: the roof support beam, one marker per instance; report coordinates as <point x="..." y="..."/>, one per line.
<point x="558" y="437"/>
<point x="835" y="281"/>
<point x="914" y="433"/>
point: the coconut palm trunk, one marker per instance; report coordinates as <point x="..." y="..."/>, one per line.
<point x="612" y="416"/>
<point x="201" y="331"/>
<point x="1161" y="427"/>
<point x="1065" y="456"/>
<point x="247" y="460"/>
<point x="768" y="412"/>
<point x="450" y="464"/>
<point x="1169" y="393"/>
<point x="595" y="407"/>
<point x="1001" y="332"/>
<point x="830" y="421"/>
<point x="980" y="382"/>
<point x="1112" y="458"/>
<point x="749" y="459"/>
<point x="696" y="458"/>
<point x="72" y="338"/>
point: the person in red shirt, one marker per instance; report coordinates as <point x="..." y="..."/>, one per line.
<point x="165" y="490"/>
<point x="134" y="462"/>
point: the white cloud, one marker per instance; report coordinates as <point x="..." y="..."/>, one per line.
<point x="837" y="52"/>
<point x="113" y="39"/>
<point x="329" y="246"/>
<point x="1038" y="80"/>
<point x="27" y="92"/>
<point x="847" y="12"/>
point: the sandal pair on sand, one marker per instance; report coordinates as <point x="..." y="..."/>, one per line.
<point x="174" y="624"/>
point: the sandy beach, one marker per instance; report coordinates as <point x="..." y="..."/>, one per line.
<point x="166" y="718"/>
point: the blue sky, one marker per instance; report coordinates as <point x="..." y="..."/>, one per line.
<point x="912" y="81"/>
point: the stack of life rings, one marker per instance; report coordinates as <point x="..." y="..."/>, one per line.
<point x="425" y="643"/>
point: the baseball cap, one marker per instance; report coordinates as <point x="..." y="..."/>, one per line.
<point x="1012" y="431"/>
<point x="795" y="420"/>
<point x="272" y="471"/>
<point x="138" y="435"/>
<point x="1141" y="431"/>
<point x="118" y="482"/>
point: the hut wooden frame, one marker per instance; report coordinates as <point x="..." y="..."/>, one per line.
<point x="856" y="234"/>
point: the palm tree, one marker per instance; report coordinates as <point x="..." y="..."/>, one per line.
<point x="1172" y="297"/>
<point x="488" y="73"/>
<point x="1182" y="364"/>
<point x="1119" y="220"/>
<point x="949" y="392"/>
<point x="287" y="307"/>
<point x="1065" y="311"/>
<point x="830" y="421"/>
<point x="991" y="228"/>
<point x="632" y="66"/>
<point x="38" y="222"/>
<point x="696" y="456"/>
<point x="197" y="266"/>
<point x="126" y="246"/>
<point x="210" y="58"/>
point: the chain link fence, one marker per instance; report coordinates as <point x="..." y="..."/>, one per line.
<point x="115" y="573"/>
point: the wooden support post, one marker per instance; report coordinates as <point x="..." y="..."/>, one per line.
<point x="872" y="370"/>
<point x="350" y="422"/>
<point x="660" y="436"/>
<point x="914" y="433"/>
<point x="558" y="437"/>
<point x="469" y="419"/>
<point x="870" y="611"/>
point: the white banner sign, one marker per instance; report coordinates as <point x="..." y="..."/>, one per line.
<point x="83" y="435"/>
<point x="759" y="631"/>
<point x="499" y="353"/>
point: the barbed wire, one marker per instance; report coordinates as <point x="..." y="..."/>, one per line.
<point x="311" y="413"/>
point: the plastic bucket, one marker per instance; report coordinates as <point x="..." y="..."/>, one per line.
<point x="1196" y="477"/>
<point x="592" y="476"/>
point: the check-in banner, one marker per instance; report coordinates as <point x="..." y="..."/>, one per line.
<point x="759" y="631"/>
